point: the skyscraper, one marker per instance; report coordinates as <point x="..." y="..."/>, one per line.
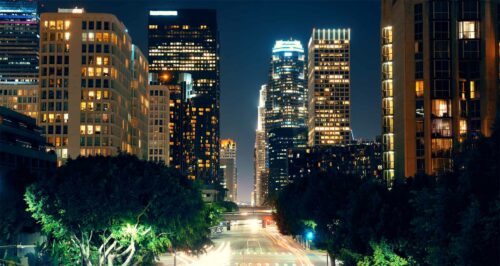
<point x="286" y="109"/>
<point x="260" y="152"/>
<point x="440" y="80"/>
<point x="19" y="46"/>
<point x="228" y="165"/>
<point x="100" y="109"/>
<point x="329" y="87"/>
<point x="186" y="41"/>
<point x="19" y="55"/>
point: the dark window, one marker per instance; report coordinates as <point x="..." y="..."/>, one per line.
<point x="84" y="25"/>
<point x="469" y="49"/>
<point x="91" y="25"/>
<point x="106" y="25"/>
<point x="469" y="9"/>
<point x="441" y="89"/>
<point x="441" y="68"/>
<point x="441" y="49"/>
<point x="440" y="10"/>
<point x="420" y="147"/>
<point x="441" y="30"/>
<point x="98" y="25"/>
<point x="469" y="69"/>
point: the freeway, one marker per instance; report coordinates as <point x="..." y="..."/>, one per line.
<point x="248" y="244"/>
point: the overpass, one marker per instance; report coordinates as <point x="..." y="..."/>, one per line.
<point x="249" y="213"/>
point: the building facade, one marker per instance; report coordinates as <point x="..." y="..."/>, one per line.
<point x="260" y="152"/>
<point x="360" y="159"/>
<point x="158" y="123"/>
<point x="22" y="145"/>
<point x="228" y="150"/>
<point x="186" y="41"/>
<point x="285" y="109"/>
<point x="19" y="23"/>
<point x="92" y="86"/>
<point x="440" y="80"/>
<point x="329" y="85"/>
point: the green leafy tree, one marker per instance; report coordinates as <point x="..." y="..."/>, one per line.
<point x="108" y="210"/>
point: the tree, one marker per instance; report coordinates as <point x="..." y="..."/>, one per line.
<point x="14" y="219"/>
<point x="108" y="210"/>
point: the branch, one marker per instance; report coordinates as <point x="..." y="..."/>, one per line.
<point x="130" y="255"/>
<point x="143" y="211"/>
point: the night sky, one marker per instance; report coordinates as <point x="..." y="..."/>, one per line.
<point x="248" y="30"/>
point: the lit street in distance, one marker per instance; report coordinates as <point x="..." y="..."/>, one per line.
<point x="249" y="244"/>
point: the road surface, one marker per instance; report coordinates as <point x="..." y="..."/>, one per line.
<point x="248" y="244"/>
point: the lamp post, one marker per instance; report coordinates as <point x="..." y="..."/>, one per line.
<point x="309" y="238"/>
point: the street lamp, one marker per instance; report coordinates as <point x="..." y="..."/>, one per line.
<point x="309" y="238"/>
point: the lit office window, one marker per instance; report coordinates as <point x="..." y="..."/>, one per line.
<point x="468" y="29"/>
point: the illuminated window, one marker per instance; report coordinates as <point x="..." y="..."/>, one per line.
<point x="90" y="72"/>
<point x="105" y="37"/>
<point x="90" y="129"/>
<point x="441" y="108"/>
<point x="441" y="127"/>
<point x="90" y="36"/>
<point x="419" y="88"/>
<point x="463" y="126"/>
<point x="82" y="130"/>
<point x="468" y="29"/>
<point x="59" y="25"/>
<point x="99" y="60"/>
<point x="67" y="36"/>
<point x="441" y="147"/>
<point x="98" y="37"/>
<point x="473" y="93"/>
<point x="67" y="23"/>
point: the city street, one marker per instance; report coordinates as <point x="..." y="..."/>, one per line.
<point x="248" y="244"/>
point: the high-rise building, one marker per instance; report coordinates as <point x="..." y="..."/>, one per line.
<point x="159" y="117"/>
<point x="260" y="152"/>
<point x="186" y="41"/>
<point x="92" y="86"/>
<point x="140" y="103"/>
<point x="228" y="165"/>
<point x="22" y="145"/>
<point x="440" y="80"/>
<point x="329" y="87"/>
<point x="362" y="159"/>
<point x="286" y="109"/>
<point x="19" y="55"/>
<point x="19" y="46"/>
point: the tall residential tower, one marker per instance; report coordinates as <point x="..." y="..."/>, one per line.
<point x="440" y="80"/>
<point x="92" y="86"/>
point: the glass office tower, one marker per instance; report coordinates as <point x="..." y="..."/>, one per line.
<point x="19" y="46"/>
<point x="329" y="84"/>
<point x="19" y="55"/>
<point x="286" y="109"/>
<point x="186" y="41"/>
